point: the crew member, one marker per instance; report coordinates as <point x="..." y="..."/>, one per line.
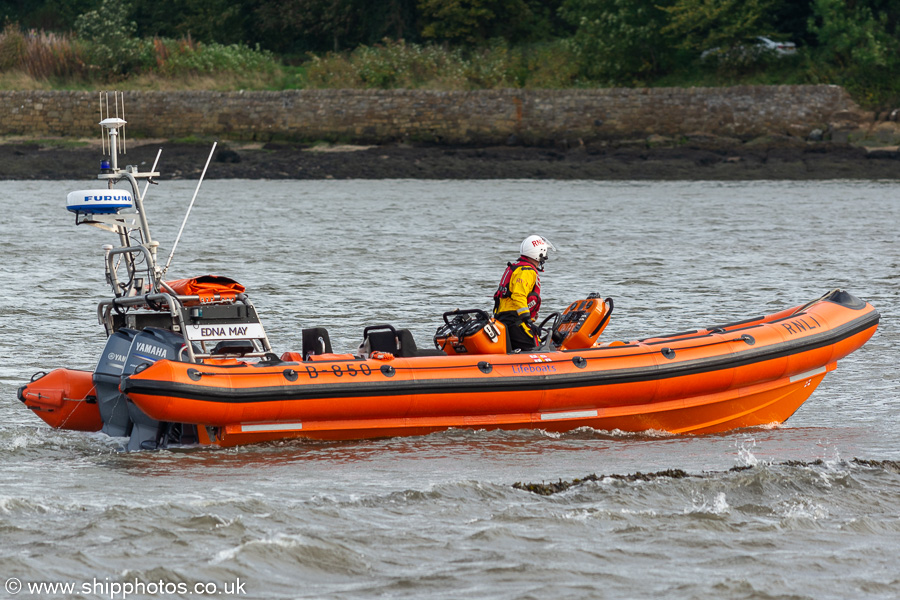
<point x="518" y="298"/>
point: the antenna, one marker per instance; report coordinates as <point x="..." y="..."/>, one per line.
<point x="116" y="99"/>
<point x="102" y="133"/>
<point x="190" y="206"/>
<point x="152" y="170"/>
<point x="112" y="146"/>
<point x="109" y="208"/>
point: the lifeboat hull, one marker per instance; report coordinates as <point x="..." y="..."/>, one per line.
<point x="64" y="399"/>
<point x="752" y="373"/>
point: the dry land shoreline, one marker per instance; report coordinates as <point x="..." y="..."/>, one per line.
<point x="692" y="158"/>
<point x="732" y="133"/>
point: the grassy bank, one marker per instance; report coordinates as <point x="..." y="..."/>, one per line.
<point x="53" y="61"/>
<point x="49" y="61"/>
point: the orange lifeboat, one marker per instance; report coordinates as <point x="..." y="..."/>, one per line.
<point x="750" y="373"/>
<point x="190" y="361"/>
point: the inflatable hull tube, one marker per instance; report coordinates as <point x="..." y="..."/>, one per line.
<point x="755" y="372"/>
<point x="64" y="399"/>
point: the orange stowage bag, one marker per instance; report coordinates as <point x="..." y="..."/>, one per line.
<point x="207" y="286"/>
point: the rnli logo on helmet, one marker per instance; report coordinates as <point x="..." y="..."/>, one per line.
<point x="537" y="243"/>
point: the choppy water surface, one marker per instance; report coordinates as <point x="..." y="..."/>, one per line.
<point x="437" y="516"/>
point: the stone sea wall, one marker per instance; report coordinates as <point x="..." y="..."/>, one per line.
<point x="476" y="117"/>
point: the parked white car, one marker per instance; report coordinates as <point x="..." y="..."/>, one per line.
<point x="752" y="48"/>
<point x="777" y="47"/>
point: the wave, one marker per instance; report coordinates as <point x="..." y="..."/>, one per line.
<point x="548" y="489"/>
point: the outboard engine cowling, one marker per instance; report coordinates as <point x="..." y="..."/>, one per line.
<point x="147" y="347"/>
<point x="110" y="401"/>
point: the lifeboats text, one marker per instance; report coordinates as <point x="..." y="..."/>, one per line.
<point x="529" y="369"/>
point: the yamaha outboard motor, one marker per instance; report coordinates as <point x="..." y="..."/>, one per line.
<point x="150" y="345"/>
<point x="111" y="402"/>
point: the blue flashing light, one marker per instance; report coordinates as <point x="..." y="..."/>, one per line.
<point x="104" y="165"/>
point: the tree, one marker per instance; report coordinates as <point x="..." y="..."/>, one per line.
<point x="861" y="50"/>
<point x="109" y="36"/>
<point x="222" y="21"/>
<point x="619" y="41"/>
<point x="55" y="15"/>
<point x="707" y="24"/>
<point x="296" y="26"/>
<point x="477" y="21"/>
<point x="852" y="35"/>
<point x="790" y="17"/>
<point x="392" y="19"/>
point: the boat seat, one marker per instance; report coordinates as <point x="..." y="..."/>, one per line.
<point x="234" y="347"/>
<point x="380" y="338"/>
<point x="314" y="341"/>
<point x="399" y="342"/>
<point x="408" y="346"/>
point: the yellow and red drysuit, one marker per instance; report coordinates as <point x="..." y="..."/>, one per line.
<point x="517" y="301"/>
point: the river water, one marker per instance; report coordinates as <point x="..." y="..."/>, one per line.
<point x="804" y="510"/>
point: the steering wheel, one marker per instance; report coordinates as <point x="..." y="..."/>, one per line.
<point x="545" y="332"/>
<point x="463" y="324"/>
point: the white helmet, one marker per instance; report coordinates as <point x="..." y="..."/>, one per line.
<point x="536" y="248"/>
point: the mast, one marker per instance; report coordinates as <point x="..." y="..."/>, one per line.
<point x="112" y="130"/>
<point x="211" y="324"/>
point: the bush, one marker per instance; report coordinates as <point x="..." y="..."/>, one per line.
<point x="69" y="60"/>
<point x="12" y="47"/>
<point x="389" y="65"/>
<point x="547" y="65"/>
<point x="185" y="57"/>
<point x="393" y="65"/>
<point x="41" y="55"/>
<point x="51" y="55"/>
<point x="619" y="42"/>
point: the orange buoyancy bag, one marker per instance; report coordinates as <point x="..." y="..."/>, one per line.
<point x="207" y="287"/>
<point x="582" y="323"/>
